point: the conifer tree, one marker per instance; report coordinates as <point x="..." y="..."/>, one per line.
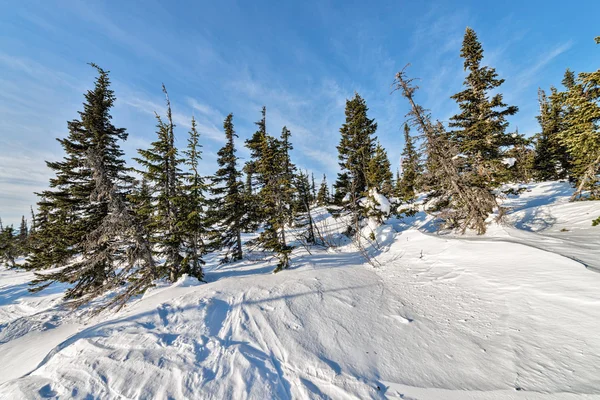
<point x="323" y="194"/>
<point x="71" y="208"/>
<point x="581" y="135"/>
<point x="355" y="151"/>
<point x="254" y="180"/>
<point x="8" y="246"/>
<point x="305" y="196"/>
<point x="411" y="168"/>
<point x="66" y="205"/>
<point x="481" y="125"/>
<point x="288" y="175"/>
<point x="228" y="206"/>
<point x="192" y="205"/>
<point x="461" y="204"/>
<point x="313" y="187"/>
<point x="272" y="169"/>
<point x="551" y="160"/>
<point x="23" y="236"/>
<point x="379" y="173"/>
<point x="163" y="174"/>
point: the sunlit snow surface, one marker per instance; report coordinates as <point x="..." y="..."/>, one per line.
<point x="514" y="314"/>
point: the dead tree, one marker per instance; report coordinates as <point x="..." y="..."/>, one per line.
<point x="467" y="206"/>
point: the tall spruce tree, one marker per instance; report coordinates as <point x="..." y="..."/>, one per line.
<point x="163" y="174"/>
<point x="254" y="180"/>
<point x="581" y="135"/>
<point x="71" y="208"/>
<point x="192" y="206"/>
<point x="480" y="127"/>
<point x="459" y="203"/>
<point x="272" y="169"/>
<point x="551" y="160"/>
<point x="411" y="168"/>
<point x="355" y="151"/>
<point x="228" y="206"/>
<point x="304" y="219"/>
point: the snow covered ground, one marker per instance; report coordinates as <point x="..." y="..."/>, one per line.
<point x="514" y="314"/>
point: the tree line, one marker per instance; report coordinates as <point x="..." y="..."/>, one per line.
<point x="103" y="226"/>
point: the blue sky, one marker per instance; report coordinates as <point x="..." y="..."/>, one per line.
<point x="300" y="59"/>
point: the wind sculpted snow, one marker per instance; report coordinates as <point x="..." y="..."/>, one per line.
<point x="511" y="315"/>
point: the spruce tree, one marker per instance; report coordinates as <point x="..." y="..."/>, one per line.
<point x="551" y="160"/>
<point x="355" y="151"/>
<point x="305" y="196"/>
<point x="228" y="206"/>
<point x="481" y="125"/>
<point x="272" y="170"/>
<point x="411" y="168"/>
<point x="379" y="173"/>
<point x="254" y="182"/>
<point x="8" y="246"/>
<point x="581" y="135"/>
<point x="71" y="208"/>
<point x="192" y="206"/>
<point x="163" y="174"/>
<point x="458" y="202"/>
<point x="23" y="237"/>
<point x="323" y="194"/>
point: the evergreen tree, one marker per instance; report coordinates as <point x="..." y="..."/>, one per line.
<point x="273" y="169"/>
<point x="551" y="157"/>
<point x="163" y="174"/>
<point x="288" y="175"/>
<point x="457" y="201"/>
<point x="23" y="236"/>
<point x="305" y="196"/>
<point x="379" y="173"/>
<point x="481" y="124"/>
<point x="581" y="135"/>
<point x="323" y="194"/>
<point x="228" y="206"/>
<point x="313" y="187"/>
<point x="8" y="246"/>
<point x="192" y="206"/>
<point x="71" y="208"/>
<point x="355" y="151"/>
<point x="254" y="180"/>
<point x="411" y="168"/>
<point x="341" y="188"/>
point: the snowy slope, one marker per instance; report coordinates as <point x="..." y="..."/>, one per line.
<point x="514" y="314"/>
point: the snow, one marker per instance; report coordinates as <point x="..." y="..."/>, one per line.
<point x="509" y="161"/>
<point x="513" y="314"/>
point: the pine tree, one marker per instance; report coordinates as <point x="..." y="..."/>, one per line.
<point x="192" y="205"/>
<point x="228" y="206"/>
<point x="379" y="173"/>
<point x="71" y="208"/>
<point x="313" y="187"/>
<point x="162" y="172"/>
<point x="323" y="194"/>
<point x="581" y="135"/>
<point x="411" y="168"/>
<point x="481" y="124"/>
<point x="355" y="151"/>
